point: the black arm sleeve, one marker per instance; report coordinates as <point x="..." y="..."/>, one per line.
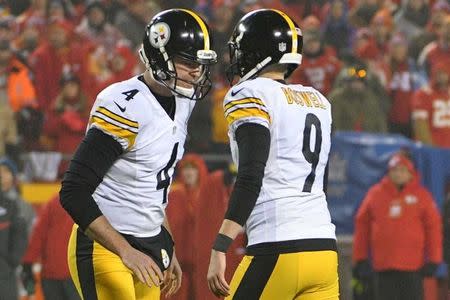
<point x="93" y="158"/>
<point x="253" y="142"/>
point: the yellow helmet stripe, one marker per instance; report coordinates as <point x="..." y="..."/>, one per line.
<point x="202" y="26"/>
<point x="293" y="30"/>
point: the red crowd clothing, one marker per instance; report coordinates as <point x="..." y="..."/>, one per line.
<point x="434" y="54"/>
<point x="183" y="212"/>
<point x="319" y="72"/>
<point x="97" y="81"/>
<point x="48" y="65"/>
<point x="434" y="105"/>
<point x="49" y="240"/>
<point x="67" y="128"/>
<point x="400" y="229"/>
<point x="401" y="91"/>
<point x="213" y="200"/>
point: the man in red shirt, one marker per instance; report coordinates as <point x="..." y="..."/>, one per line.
<point x="431" y="109"/>
<point x="399" y="224"/>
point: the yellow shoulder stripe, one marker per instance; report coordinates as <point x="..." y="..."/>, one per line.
<point x="247" y="112"/>
<point x="116" y="130"/>
<point x="243" y="101"/>
<point x="116" y="117"/>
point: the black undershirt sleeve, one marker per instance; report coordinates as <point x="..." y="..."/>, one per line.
<point x="93" y="158"/>
<point x="253" y="142"/>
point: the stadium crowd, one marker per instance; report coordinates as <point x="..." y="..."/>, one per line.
<point x="384" y="65"/>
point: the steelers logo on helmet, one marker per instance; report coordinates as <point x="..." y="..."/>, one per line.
<point x="159" y="34"/>
<point x="176" y="35"/>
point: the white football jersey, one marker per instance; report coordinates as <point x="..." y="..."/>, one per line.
<point x="292" y="203"/>
<point x="133" y="193"/>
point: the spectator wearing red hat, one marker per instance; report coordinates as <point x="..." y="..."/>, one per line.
<point x="60" y="52"/>
<point x="398" y="227"/>
<point x="431" y="109"/>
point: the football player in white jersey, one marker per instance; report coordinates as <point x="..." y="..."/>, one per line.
<point x="117" y="183"/>
<point x="280" y="139"/>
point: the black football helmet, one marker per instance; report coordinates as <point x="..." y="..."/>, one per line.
<point x="178" y="33"/>
<point x="262" y="38"/>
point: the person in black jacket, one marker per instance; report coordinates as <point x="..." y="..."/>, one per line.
<point x="13" y="241"/>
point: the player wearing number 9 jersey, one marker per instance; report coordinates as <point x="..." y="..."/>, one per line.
<point x="280" y="139"/>
<point x="117" y="184"/>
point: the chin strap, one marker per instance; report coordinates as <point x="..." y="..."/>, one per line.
<point x="256" y="69"/>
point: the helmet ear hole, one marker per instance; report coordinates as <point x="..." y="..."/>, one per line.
<point x="162" y="75"/>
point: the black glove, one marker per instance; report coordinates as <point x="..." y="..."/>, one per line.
<point x="27" y="278"/>
<point x="429" y="269"/>
<point x="362" y="270"/>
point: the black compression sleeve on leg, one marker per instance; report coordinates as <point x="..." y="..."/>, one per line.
<point x="93" y="158"/>
<point x="253" y="142"/>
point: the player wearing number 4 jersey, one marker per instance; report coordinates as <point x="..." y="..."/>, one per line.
<point x="280" y="139"/>
<point x="116" y="186"/>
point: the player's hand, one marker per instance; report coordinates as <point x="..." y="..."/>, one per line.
<point x="216" y="274"/>
<point x="143" y="266"/>
<point x="172" y="278"/>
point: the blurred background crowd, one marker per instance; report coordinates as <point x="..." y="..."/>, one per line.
<point x="383" y="64"/>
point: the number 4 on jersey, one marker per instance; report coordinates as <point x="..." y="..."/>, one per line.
<point x="130" y="94"/>
<point x="163" y="177"/>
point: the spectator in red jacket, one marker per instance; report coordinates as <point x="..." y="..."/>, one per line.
<point x="213" y="199"/>
<point x="399" y="226"/>
<point x="54" y="57"/>
<point x="66" y="122"/>
<point x="48" y="245"/>
<point x="183" y="212"/>
<point x="401" y="85"/>
<point x="431" y="109"/>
